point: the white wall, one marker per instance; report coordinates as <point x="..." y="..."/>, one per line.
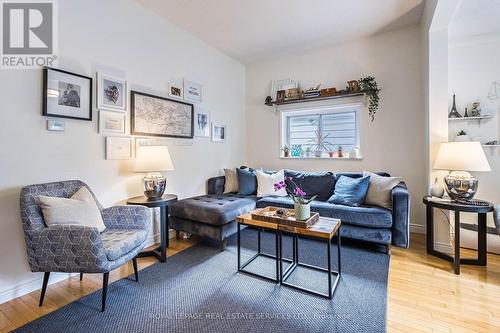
<point x="472" y="68"/>
<point x="393" y="142"/>
<point x="121" y="38"/>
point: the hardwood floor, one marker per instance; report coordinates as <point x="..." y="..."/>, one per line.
<point x="424" y="295"/>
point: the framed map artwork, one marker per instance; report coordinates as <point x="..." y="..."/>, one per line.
<point x="158" y="116"/>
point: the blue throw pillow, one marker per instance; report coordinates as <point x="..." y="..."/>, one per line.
<point x="247" y="182"/>
<point x="350" y="191"/>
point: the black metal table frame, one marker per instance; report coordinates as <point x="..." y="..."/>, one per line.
<point x="481" y="233"/>
<point x="332" y="285"/>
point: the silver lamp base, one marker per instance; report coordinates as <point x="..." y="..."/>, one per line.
<point x="461" y="185"/>
<point x="154" y="185"/>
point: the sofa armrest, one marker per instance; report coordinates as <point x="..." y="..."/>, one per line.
<point x="215" y="185"/>
<point x="401" y="216"/>
<point x="127" y="217"/>
<point x="67" y="248"/>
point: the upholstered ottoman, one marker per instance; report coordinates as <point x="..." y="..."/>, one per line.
<point x="211" y="215"/>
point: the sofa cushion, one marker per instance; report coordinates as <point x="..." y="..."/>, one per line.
<point x="247" y="181"/>
<point x="266" y="184"/>
<point x="230" y="181"/>
<point x="313" y="183"/>
<point x="213" y="209"/>
<point x="366" y="216"/>
<point x="118" y="242"/>
<point x="380" y="189"/>
<point x="350" y="191"/>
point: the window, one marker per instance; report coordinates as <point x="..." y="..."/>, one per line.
<point x="337" y="124"/>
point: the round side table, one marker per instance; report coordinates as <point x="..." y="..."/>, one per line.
<point x="162" y="203"/>
<point x="481" y="211"/>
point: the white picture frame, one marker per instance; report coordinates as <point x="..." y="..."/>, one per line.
<point x="118" y="148"/>
<point x="111" y="93"/>
<point x="112" y="123"/>
<point x="193" y="91"/>
<point x="201" y="122"/>
<point x="176" y="89"/>
<point x="219" y="133"/>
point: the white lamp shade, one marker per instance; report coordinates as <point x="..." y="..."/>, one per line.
<point x="461" y="156"/>
<point x="153" y="159"/>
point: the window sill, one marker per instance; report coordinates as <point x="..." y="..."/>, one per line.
<point x="322" y="158"/>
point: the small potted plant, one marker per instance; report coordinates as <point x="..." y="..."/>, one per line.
<point x="302" y="204"/>
<point x="331" y="154"/>
<point x="308" y="151"/>
<point x="286" y="151"/>
<point x="462" y="136"/>
<point x="340" y="152"/>
<point x="320" y="144"/>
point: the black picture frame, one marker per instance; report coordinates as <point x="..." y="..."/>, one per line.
<point x="133" y="93"/>
<point x="45" y="108"/>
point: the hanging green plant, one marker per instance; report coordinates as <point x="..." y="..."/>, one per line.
<point x="369" y="86"/>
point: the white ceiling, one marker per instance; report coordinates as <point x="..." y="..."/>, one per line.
<point x="473" y="18"/>
<point x="249" y="30"/>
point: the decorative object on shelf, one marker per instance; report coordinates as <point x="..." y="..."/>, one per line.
<point x="268" y="100"/>
<point x="353" y="86"/>
<point x="320" y="144"/>
<point x="159" y="116"/>
<point x="111" y="93"/>
<point x="55" y="125"/>
<point x="436" y="190"/>
<point x="118" y="148"/>
<point x="312" y="92"/>
<point x="176" y="89"/>
<point x="370" y="88"/>
<point x="459" y="158"/>
<point x="491" y="143"/>
<point x="308" y="151"/>
<point x="302" y="205"/>
<point x="354" y="153"/>
<point x="331" y="154"/>
<point x="466" y="114"/>
<point x="218" y="133"/>
<point x="476" y="109"/>
<point x="112" y="123"/>
<point x="494" y="92"/>
<point x="286" y="151"/>
<point x="202" y="122"/>
<point x="328" y="92"/>
<point x="453" y="112"/>
<point x="462" y="136"/>
<point x="153" y="160"/>
<point x="280" y="95"/>
<point x="193" y="91"/>
<point x="296" y="150"/>
<point x="66" y="94"/>
<point x="293" y="93"/>
<point x="340" y="152"/>
<point x="284" y="84"/>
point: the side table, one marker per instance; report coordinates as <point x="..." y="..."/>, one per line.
<point x="162" y="203"/>
<point x="448" y="204"/>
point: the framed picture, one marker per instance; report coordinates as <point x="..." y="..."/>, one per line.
<point x="158" y="116"/>
<point x="218" y="133"/>
<point x="175" y="90"/>
<point x="193" y="91"/>
<point x="111" y="93"/>
<point x="284" y="84"/>
<point x="112" y="123"/>
<point x="118" y="148"/>
<point x="66" y="95"/>
<point x="201" y="122"/>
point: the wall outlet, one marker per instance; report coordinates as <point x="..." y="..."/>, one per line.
<point x="55" y="125"/>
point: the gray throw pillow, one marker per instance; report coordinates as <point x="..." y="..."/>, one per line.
<point x="380" y="189"/>
<point x="231" y="182"/>
<point x="80" y="209"/>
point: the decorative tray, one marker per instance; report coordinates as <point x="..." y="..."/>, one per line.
<point x="269" y="214"/>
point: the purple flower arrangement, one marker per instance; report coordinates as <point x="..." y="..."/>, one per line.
<point x="294" y="191"/>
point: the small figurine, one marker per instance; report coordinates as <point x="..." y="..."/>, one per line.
<point x="268" y="100"/>
<point x="466" y="115"/>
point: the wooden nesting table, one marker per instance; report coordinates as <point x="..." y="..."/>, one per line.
<point x="325" y="230"/>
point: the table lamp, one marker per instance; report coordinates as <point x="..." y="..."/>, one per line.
<point x="153" y="160"/>
<point x="459" y="158"/>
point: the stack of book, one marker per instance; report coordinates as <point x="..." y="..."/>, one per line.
<point x="311" y="93"/>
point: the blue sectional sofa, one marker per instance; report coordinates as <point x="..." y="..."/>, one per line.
<point x="213" y="215"/>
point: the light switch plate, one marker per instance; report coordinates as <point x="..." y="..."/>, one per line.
<point x="55" y="125"/>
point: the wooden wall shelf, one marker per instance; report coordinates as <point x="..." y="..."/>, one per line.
<point x="319" y="98"/>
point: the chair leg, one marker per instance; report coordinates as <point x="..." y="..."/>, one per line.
<point x="134" y="262"/>
<point x="81" y="276"/>
<point x="44" y="287"/>
<point x="105" y="278"/>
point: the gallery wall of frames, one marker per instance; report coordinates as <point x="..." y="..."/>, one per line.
<point x="128" y="118"/>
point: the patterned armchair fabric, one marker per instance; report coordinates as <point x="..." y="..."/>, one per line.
<point x="72" y="248"/>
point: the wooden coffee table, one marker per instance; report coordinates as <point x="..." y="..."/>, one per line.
<point x="325" y="230"/>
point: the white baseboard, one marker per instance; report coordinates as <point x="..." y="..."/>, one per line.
<point x="36" y="282"/>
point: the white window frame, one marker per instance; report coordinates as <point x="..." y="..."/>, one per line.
<point x="319" y="109"/>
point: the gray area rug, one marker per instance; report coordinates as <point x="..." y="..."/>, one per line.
<point x="200" y="290"/>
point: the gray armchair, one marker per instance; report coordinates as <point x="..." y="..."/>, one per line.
<point x="79" y="249"/>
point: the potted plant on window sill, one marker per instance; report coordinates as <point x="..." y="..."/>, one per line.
<point x="286" y="151"/>
<point x="320" y="144"/>
<point x="302" y="205"/>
